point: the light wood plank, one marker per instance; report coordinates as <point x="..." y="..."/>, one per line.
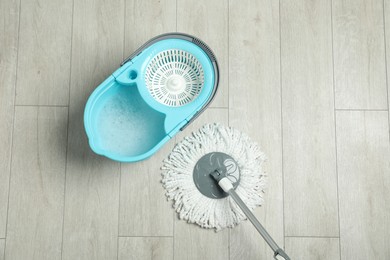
<point x="359" y="54"/>
<point x="151" y="215"/>
<point x="191" y="241"/>
<point x="9" y="24"/>
<point x="34" y="229"/>
<point x="146" y="248"/>
<point x="208" y="20"/>
<point x="44" y="52"/>
<point x="92" y="182"/>
<point x="313" y="248"/>
<point x="309" y="157"/>
<point x="2" y="247"/>
<point x="363" y="153"/>
<point x="255" y="108"/>
<point x="144" y="209"/>
<point x="158" y="16"/>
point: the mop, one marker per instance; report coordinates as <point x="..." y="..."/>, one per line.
<point x="215" y="179"/>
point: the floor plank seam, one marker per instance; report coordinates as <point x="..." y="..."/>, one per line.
<point x="67" y="133"/>
<point x="119" y="209"/>
<point x="13" y="128"/>
<point x="174" y="219"/>
<point x="359" y="110"/>
<point x="228" y="91"/>
<point x="334" y="124"/>
<point x="123" y="236"/>
<point x="281" y="118"/>
<point x="173" y="235"/>
<point x="120" y="164"/>
<point x="37" y="105"/>
<point x="312" y="237"/>
<point x="64" y="203"/>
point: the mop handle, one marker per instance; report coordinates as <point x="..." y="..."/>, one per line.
<point x="227" y="186"/>
<point x="277" y="250"/>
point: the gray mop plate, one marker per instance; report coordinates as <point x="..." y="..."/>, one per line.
<point x="209" y="163"/>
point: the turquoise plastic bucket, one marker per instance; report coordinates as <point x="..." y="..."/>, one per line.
<point x="129" y="116"/>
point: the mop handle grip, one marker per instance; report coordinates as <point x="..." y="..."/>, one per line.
<point x="278" y="252"/>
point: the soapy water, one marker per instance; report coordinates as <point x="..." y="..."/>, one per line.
<point x="127" y="125"/>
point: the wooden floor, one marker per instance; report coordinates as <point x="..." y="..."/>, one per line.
<point x="307" y="79"/>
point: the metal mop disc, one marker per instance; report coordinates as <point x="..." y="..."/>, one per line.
<point x="195" y="196"/>
<point x="209" y="163"/>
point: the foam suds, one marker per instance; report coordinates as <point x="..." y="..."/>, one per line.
<point x="127" y="125"/>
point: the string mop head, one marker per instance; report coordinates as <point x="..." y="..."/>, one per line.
<point x="180" y="172"/>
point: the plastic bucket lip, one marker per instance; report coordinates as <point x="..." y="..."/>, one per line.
<point x="105" y="85"/>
